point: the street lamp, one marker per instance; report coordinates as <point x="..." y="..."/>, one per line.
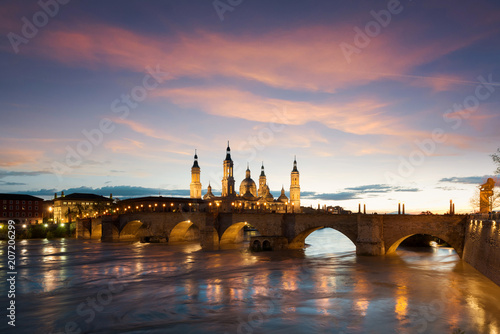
<point x="51" y="216"/>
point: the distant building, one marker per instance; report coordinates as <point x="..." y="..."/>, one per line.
<point x="338" y="210"/>
<point x="80" y="205"/>
<point x="249" y="197"/>
<point x="23" y="209"/>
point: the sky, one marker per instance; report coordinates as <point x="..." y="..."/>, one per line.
<point x="381" y="102"/>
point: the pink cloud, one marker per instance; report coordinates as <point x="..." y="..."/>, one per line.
<point x="307" y="58"/>
<point x="363" y="116"/>
<point x="19" y="157"/>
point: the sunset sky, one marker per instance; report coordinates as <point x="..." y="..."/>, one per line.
<point x="377" y="109"/>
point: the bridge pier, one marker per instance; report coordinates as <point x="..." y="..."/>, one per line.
<point x="110" y="230"/>
<point x="88" y="228"/>
<point x="370" y="239"/>
<point x="209" y="239"/>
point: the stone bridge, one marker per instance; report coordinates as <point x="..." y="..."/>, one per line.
<point x="475" y="239"/>
<point x="371" y="234"/>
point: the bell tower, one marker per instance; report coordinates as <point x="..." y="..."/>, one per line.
<point x="195" y="186"/>
<point x="262" y="182"/>
<point x="228" y="179"/>
<point x="295" y="188"/>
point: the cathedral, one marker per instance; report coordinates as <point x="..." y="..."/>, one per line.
<point x="249" y="197"/>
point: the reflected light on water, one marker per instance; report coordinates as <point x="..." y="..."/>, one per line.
<point x="401" y="307"/>
<point x="362" y="288"/>
<point x="171" y="289"/>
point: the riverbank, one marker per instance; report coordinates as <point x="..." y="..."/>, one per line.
<point x="40" y="231"/>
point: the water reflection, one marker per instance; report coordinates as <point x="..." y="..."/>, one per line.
<point x="178" y="288"/>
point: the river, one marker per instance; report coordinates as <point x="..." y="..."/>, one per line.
<point x="83" y="286"/>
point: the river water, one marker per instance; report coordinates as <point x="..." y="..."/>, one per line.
<point x="77" y="286"/>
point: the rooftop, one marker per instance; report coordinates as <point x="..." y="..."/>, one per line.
<point x="85" y="196"/>
<point x="18" y="197"/>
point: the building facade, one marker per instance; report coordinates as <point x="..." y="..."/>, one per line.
<point x="23" y="209"/>
<point x="68" y="208"/>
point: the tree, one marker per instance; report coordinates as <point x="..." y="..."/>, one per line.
<point x="496" y="160"/>
<point x="495" y="199"/>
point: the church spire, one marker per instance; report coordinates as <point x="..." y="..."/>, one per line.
<point x="295" y="164"/>
<point x="248" y="171"/>
<point x="195" y="164"/>
<point x="262" y="170"/>
<point x="228" y="152"/>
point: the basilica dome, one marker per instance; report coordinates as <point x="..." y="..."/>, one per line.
<point x="248" y="185"/>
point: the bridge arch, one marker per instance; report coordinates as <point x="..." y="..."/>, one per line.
<point x="233" y="234"/>
<point x="299" y="241"/>
<point x="185" y="231"/>
<point x="391" y="249"/>
<point x="130" y="229"/>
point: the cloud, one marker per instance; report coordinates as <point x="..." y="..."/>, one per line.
<point x="356" y="192"/>
<point x="361" y="116"/>
<point x="305" y="58"/>
<point x="6" y="173"/>
<point x="3" y="183"/>
<point x="340" y="196"/>
<point x="16" y="157"/>
<point x="117" y="191"/>
<point x="478" y="180"/>
<point x="381" y="188"/>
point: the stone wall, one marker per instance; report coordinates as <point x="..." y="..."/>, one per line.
<point x="482" y="247"/>
<point x="89" y="228"/>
